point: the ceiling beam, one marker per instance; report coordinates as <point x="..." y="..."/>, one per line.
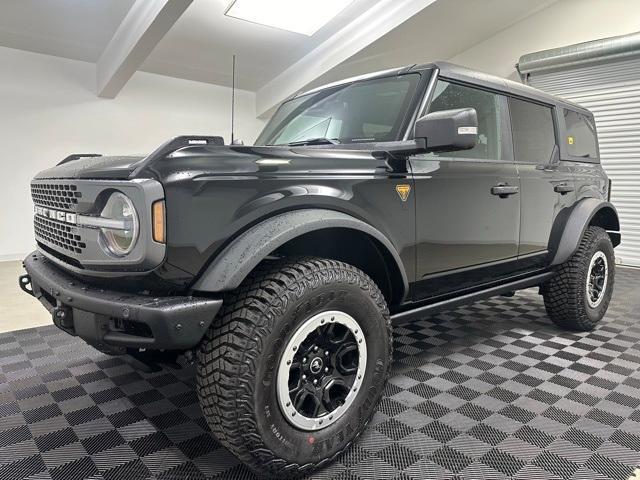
<point x="138" y="34"/>
<point x="367" y="28"/>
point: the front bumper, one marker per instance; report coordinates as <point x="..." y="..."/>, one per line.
<point x="114" y="321"/>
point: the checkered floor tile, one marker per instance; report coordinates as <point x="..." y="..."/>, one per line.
<point x="488" y="391"/>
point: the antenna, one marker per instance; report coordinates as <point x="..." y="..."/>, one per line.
<point x="233" y="95"/>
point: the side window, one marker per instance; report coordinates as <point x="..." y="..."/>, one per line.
<point x="449" y="96"/>
<point x="581" y="135"/>
<point x="533" y="132"/>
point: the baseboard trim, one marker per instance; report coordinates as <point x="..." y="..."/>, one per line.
<point x="12" y="257"/>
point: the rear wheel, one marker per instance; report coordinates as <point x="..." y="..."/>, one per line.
<point x="578" y="296"/>
<point x="293" y="367"/>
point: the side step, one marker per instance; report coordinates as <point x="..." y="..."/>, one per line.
<point x="449" y="304"/>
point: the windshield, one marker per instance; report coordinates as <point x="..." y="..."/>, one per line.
<point x="364" y="111"/>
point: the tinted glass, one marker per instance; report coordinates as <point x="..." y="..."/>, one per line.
<point x="533" y="131"/>
<point x="581" y="135"/>
<point x="449" y="96"/>
<point x="366" y="111"/>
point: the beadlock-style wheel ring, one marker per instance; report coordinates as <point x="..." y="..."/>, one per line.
<point x="597" y="278"/>
<point x="321" y="370"/>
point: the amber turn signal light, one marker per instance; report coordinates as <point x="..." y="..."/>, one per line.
<point x="157" y="211"/>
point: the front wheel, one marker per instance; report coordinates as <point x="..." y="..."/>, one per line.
<point x="293" y="368"/>
<point x="578" y="296"/>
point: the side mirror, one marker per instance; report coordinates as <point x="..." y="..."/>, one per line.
<point x="448" y="130"/>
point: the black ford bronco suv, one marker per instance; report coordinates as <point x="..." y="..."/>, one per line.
<point x="279" y="267"/>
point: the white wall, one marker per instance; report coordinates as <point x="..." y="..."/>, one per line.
<point x="49" y="109"/>
<point x="563" y="23"/>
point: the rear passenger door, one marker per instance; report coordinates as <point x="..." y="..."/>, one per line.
<point x="546" y="185"/>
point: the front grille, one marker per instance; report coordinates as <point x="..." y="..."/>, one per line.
<point x="58" y="234"/>
<point x="56" y="195"/>
<point x="62" y="230"/>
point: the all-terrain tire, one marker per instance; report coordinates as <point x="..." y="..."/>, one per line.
<point x="566" y="294"/>
<point x="239" y="357"/>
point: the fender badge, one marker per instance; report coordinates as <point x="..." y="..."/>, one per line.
<point x="403" y="190"/>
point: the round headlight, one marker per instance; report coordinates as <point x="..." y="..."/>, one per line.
<point x="120" y="230"/>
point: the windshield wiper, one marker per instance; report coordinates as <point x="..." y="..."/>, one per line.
<point x="314" y="141"/>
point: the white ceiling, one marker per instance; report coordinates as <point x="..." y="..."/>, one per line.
<point x="198" y="47"/>
<point x="200" y="44"/>
<point x="76" y="29"/>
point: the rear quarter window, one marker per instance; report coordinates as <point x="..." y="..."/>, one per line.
<point x="580" y="135"/>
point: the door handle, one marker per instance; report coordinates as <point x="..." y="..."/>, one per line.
<point x="563" y="188"/>
<point x="503" y="191"/>
<point x="547" y="167"/>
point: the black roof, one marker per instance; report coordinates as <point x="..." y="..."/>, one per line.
<point x="463" y="74"/>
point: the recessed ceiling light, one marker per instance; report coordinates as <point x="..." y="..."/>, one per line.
<point x="300" y="16"/>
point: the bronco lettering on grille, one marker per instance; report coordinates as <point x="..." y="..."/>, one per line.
<point x="56" y="214"/>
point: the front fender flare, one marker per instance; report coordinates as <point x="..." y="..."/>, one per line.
<point x="239" y="258"/>
<point x="570" y="230"/>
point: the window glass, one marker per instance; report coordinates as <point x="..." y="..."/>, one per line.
<point x="533" y="131"/>
<point x="448" y="96"/>
<point x="365" y="111"/>
<point x="581" y="135"/>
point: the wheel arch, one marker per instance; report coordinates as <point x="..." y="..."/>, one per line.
<point x="571" y="224"/>
<point x="316" y="232"/>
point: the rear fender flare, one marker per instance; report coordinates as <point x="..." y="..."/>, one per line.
<point x="238" y="259"/>
<point x="570" y="227"/>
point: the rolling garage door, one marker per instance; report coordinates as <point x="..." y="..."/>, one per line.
<point x="611" y="90"/>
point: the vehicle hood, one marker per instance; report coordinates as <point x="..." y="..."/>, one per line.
<point x="109" y="168"/>
<point x="195" y="161"/>
<point x="242" y="162"/>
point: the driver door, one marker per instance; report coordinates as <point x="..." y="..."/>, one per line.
<point x="466" y="232"/>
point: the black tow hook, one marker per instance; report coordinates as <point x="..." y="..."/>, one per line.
<point x="25" y="284"/>
<point x="63" y="317"/>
